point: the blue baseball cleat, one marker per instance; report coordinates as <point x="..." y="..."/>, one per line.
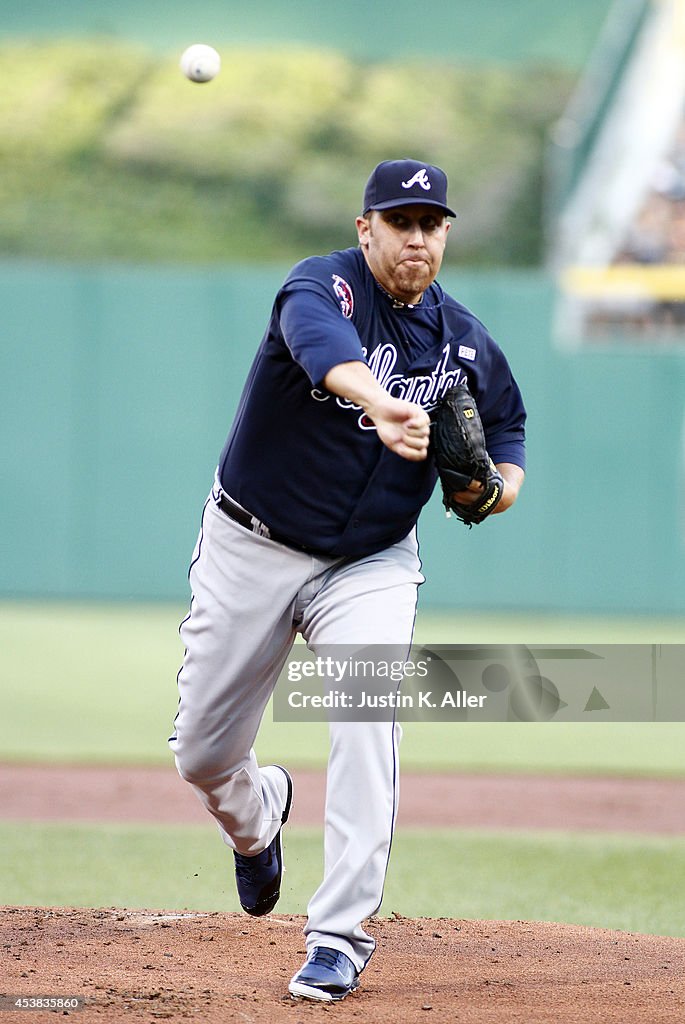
<point x="258" y="878"/>
<point x="328" y="975"/>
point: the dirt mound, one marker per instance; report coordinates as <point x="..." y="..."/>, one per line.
<point x="152" y="965"/>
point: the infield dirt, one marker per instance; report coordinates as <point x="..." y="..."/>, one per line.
<point x="218" y="968"/>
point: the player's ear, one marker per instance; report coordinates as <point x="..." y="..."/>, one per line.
<point x="363" y="229"/>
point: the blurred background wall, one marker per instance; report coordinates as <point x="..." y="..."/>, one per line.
<point x="147" y="222"/>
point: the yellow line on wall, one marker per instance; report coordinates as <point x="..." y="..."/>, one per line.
<point x="657" y="281"/>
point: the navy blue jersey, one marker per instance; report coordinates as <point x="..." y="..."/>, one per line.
<point x="310" y="464"/>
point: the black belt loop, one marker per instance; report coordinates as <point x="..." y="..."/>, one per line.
<point x="239" y="515"/>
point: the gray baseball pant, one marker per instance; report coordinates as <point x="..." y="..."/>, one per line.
<point x="250" y="596"/>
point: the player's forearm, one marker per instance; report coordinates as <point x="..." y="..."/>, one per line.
<point x="513" y="477"/>
<point x="355" y="382"/>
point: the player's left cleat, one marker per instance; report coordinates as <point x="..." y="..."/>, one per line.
<point x="327" y="976"/>
<point x="258" y="878"/>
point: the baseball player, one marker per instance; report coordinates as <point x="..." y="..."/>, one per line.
<point x="310" y="528"/>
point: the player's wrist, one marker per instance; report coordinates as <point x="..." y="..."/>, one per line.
<point x="512" y="478"/>
<point x="375" y="403"/>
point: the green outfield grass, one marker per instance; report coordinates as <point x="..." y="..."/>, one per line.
<point x="96" y="683"/>
<point x="608" y="881"/>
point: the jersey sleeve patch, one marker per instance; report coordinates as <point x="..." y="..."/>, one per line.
<point x="344" y="295"/>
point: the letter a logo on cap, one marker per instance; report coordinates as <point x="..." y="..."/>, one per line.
<point x="420" y="178"/>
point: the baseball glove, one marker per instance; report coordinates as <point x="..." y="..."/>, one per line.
<point x="458" y="444"/>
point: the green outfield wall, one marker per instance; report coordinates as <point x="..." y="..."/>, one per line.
<point x="119" y="385"/>
<point x="529" y="31"/>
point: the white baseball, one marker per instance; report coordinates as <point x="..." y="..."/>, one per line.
<point x="200" y="63"/>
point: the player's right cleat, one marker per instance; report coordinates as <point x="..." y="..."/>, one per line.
<point x="258" y="878"/>
<point x="327" y="976"/>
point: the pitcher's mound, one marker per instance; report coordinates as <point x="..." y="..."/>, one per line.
<point x="211" y="967"/>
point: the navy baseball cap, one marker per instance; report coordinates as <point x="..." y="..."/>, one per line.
<point x="405" y="182"/>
